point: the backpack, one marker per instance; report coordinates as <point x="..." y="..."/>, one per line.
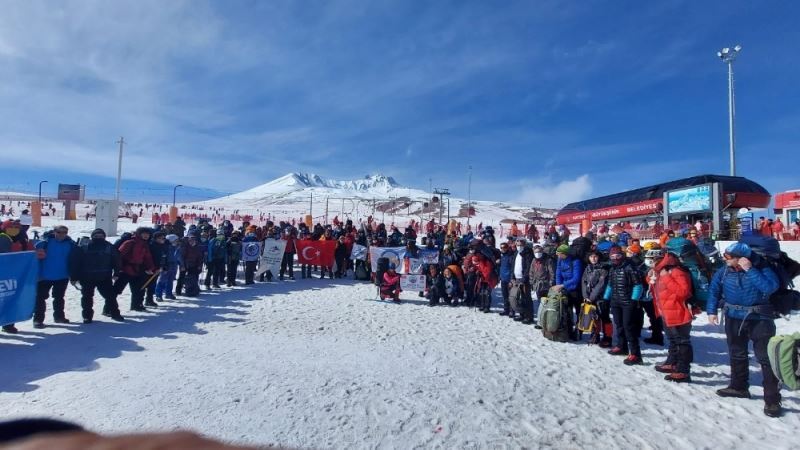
<point x="784" y="352"/>
<point x="588" y="318"/>
<point x="785" y="299"/>
<point x="553" y="316"/>
<point x="361" y="272"/>
<point x="122" y="239"/>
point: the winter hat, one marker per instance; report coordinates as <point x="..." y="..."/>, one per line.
<point x="172" y="237"/>
<point x="563" y="248"/>
<point x="98" y="231"/>
<point x="615" y="250"/>
<point x="6" y="224"/>
<point x="635" y="249"/>
<point x="142" y="230"/>
<point x="738" y="250"/>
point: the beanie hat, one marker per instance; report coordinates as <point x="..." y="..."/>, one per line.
<point x="615" y="250"/>
<point x="654" y="253"/>
<point x="635" y="248"/>
<point x="98" y="231"/>
<point x="739" y="250"/>
<point x="563" y="248"/>
<point x="172" y="237"/>
<point x="142" y="230"/>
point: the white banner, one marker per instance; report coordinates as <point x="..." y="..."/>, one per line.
<point x="359" y="252"/>
<point x="395" y="255"/>
<point x="412" y="283"/>
<point x="429" y="256"/>
<point x="412" y="265"/>
<point x="272" y="256"/>
<point x="251" y="251"/>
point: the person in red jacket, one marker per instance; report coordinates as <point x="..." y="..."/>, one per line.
<point x="390" y="287"/>
<point x="287" y="263"/>
<point x="137" y="267"/>
<point x="671" y="286"/>
<point x="486" y="279"/>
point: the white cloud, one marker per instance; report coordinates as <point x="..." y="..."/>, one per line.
<point x="547" y="192"/>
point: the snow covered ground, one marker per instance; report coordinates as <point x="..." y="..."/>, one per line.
<point x="322" y="364"/>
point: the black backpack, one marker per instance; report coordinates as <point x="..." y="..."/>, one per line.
<point x="785" y="299"/>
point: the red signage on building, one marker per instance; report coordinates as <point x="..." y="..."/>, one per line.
<point x="615" y="212"/>
<point x="787" y="200"/>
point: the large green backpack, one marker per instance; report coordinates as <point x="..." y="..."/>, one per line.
<point x="553" y="316"/>
<point x="784" y="352"/>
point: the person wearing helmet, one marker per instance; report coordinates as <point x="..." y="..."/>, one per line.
<point x="745" y="285"/>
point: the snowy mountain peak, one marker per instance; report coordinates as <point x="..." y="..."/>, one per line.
<point x="306" y="180"/>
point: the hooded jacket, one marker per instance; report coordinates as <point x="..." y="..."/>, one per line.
<point x="671" y="292"/>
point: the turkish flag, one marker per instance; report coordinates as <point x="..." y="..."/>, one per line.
<point x="316" y="253"/>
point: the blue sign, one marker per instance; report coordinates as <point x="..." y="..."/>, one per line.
<point x="694" y="199"/>
<point x="18" y="272"/>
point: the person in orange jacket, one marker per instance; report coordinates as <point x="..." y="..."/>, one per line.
<point x="671" y="287"/>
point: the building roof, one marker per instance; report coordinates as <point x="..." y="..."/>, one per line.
<point x="656" y="192"/>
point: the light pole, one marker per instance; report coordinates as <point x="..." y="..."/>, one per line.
<point x="728" y="56"/>
<point x="174" y="191"/>
<point x="40" y="192"/>
<point x="469" y="196"/>
<point x="121" y="143"/>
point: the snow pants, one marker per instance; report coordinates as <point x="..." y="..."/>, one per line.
<point x="739" y="336"/>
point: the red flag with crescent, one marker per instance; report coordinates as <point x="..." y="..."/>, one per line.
<point x="316" y="253"/>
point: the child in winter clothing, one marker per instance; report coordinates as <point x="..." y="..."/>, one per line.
<point x="390" y="288"/>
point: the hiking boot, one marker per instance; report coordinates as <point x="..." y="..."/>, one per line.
<point x="537" y="326"/>
<point x="160" y="298"/>
<point x="618" y="351"/>
<point x="665" y="368"/>
<point x="677" y="377"/>
<point x="773" y="409"/>
<point x="151" y="304"/>
<point x="61" y="320"/>
<point x="87" y="321"/>
<point x="527" y="321"/>
<point x="118" y="318"/>
<point x="217" y="286"/>
<point x="38" y="325"/>
<point x="654" y="341"/>
<point x="10" y="329"/>
<point x="503" y="313"/>
<point x="633" y="360"/>
<point x="170" y="297"/>
<point x="735" y="393"/>
<point x="605" y="343"/>
<point x="208" y="287"/>
<point x="139" y="308"/>
<point x="517" y="318"/>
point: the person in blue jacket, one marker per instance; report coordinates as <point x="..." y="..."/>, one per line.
<point x="624" y="290"/>
<point x="569" y="271"/>
<point x="744" y="287"/>
<point x="54" y="254"/>
<point x="507" y="257"/>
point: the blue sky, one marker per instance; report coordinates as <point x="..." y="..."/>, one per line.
<point x="549" y="101"/>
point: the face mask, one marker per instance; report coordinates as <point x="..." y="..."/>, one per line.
<point x="649" y="263"/>
<point x="538" y="255"/>
<point x="13" y="232"/>
<point x="98" y="239"/>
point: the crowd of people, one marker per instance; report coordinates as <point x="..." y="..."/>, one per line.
<point x="623" y="279"/>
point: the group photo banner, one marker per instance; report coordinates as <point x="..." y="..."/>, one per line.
<point x="272" y="256"/>
<point x="18" y="275"/>
<point x="395" y="255"/>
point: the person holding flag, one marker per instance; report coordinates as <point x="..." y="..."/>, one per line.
<point x="12" y="239"/>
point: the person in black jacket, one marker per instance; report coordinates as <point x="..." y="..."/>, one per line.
<point x="158" y="249"/>
<point x="95" y="265"/>
<point x="341" y="255"/>
<point x="624" y="290"/>
<point x="435" y="284"/>
<point x="522" y="301"/>
<point x="593" y="286"/>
